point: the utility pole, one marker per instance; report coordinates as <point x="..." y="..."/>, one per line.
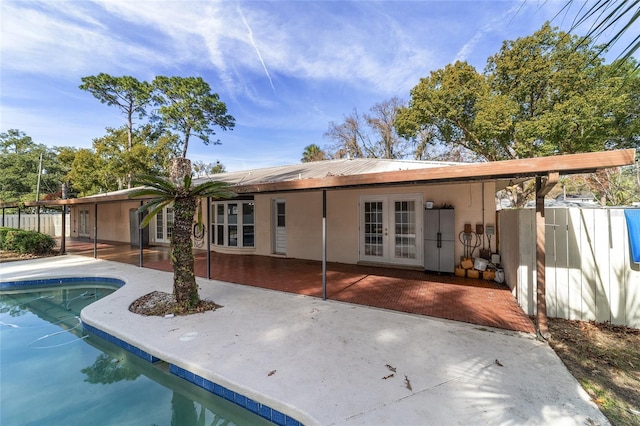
<point x="38" y="192"/>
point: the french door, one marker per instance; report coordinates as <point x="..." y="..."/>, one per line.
<point x="391" y="229"/>
<point x="164" y="225"/>
<point x="84" y="223"/>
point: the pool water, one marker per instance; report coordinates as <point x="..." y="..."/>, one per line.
<point x="54" y="373"/>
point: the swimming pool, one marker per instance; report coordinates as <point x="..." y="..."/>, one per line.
<point x="53" y="372"/>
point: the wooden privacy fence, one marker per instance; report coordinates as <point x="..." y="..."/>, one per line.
<point x="590" y="274"/>
<point x="50" y="224"/>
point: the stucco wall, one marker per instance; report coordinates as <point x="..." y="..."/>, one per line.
<point x="113" y="220"/>
<point x="304" y="217"/>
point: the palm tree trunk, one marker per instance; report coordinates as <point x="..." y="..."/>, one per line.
<point x="185" y="288"/>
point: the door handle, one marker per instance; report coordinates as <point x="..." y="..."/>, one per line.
<point x="439" y="240"/>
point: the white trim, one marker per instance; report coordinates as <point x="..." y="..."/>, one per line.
<point x="389" y="242"/>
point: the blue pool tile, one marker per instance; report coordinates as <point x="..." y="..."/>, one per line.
<point x="241" y="400"/>
<point x="199" y="381"/>
<point x="265" y="412"/>
<point x="277" y="417"/>
<point x="208" y="385"/>
<point x="289" y="421"/>
<point x="253" y="406"/>
<point x="229" y="395"/>
<point x="53" y="282"/>
<point x="218" y="390"/>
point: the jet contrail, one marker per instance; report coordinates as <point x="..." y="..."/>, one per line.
<point x="253" y="43"/>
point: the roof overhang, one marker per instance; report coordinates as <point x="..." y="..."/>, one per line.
<point x="503" y="172"/>
<point x="508" y="170"/>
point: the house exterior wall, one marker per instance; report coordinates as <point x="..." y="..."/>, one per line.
<point x="304" y="217"/>
<point x="113" y="220"/>
<point x="589" y="272"/>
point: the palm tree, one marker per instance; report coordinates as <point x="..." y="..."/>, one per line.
<point x="184" y="197"/>
<point x="313" y="153"/>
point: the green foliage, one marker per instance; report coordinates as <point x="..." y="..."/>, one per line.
<point x="202" y="169"/>
<point x="312" y="153"/>
<point x="164" y="192"/>
<point x="3" y="237"/>
<point x="187" y="105"/>
<point x="126" y="93"/>
<point x="545" y="94"/>
<point x="25" y="242"/>
<point x="110" y="164"/>
<point x="19" y="164"/>
<point x="85" y="175"/>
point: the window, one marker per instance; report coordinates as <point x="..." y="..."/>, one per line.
<point x="233" y="224"/>
<point x="164" y="225"/>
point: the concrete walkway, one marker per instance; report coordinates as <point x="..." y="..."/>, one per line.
<point x="328" y="362"/>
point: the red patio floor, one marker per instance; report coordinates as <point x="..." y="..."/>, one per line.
<point x="443" y="296"/>
<point x="473" y="301"/>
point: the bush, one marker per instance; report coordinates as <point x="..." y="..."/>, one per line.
<point x="3" y="237"/>
<point x="26" y="242"/>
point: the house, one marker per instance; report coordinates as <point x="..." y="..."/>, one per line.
<point x="347" y="211"/>
<point x="398" y="213"/>
<point x="279" y="212"/>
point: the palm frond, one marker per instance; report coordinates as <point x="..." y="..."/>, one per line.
<point x="159" y="182"/>
<point x="163" y="192"/>
<point x="149" y="192"/>
<point x="214" y="189"/>
<point x="606" y="15"/>
<point x="155" y="209"/>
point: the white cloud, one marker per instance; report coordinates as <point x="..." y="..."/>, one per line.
<point x="59" y="40"/>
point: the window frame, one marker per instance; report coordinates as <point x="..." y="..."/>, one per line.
<point x="235" y="227"/>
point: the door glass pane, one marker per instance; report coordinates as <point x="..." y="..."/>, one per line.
<point x="220" y="235"/>
<point x="220" y="213"/>
<point x="373" y="228"/>
<point x="280" y="211"/>
<point x="233" y="236"/>
<point x="169" y="222"/>
<point x="160" y="225"/>
<point x="405" y="229"/>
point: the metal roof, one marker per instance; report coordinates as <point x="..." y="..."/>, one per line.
<point x="320" y="170"/>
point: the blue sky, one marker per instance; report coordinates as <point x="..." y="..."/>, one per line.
<point x="285" y="69"/>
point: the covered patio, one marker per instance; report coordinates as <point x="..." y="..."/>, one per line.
<point x="475" y="301"/>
